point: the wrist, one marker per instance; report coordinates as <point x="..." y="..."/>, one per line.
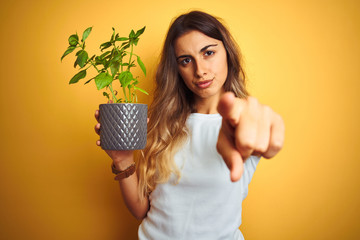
<point x="123" y="164"/>
<point x="123" y="173"/>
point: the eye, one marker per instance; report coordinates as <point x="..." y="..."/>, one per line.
<point x="209" y="53"/>
<point x="185" y="61"/>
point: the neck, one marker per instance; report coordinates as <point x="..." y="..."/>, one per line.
<point x="207" y="105"/>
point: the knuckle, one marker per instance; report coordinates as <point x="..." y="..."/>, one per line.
<point x="247" y="145"/>
<point x="233" y="120"/>
<point x="261" y="148"/>
<point x="277" y="145"/>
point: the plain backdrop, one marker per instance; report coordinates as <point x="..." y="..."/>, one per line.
<point x="301" y="57"/>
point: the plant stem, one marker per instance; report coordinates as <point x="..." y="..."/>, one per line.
<point x="92" y="63"/>
<point x="130" y="95"/>
<point x="131" y="53"/>
<point x="121" y="66"/>
<point x="112" y="92"/>
<point x="126" y="100"/>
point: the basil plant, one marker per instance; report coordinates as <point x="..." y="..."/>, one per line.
<point x="114" y="64"/>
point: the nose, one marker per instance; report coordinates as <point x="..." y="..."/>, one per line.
<point x="201" y="70"/>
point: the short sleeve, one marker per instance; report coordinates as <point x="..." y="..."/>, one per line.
<point x="250" y="167"/>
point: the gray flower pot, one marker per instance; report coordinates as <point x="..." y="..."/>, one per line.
<point x="123" y="126"/>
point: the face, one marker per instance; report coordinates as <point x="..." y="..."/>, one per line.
<point x="202" y="64"/>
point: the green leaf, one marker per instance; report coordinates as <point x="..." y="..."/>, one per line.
<point x="136" y="41"/>
<point x="139" y="32"/>
<point x="89" y="80"/>
<point x="105" y="45"/>
<point x="99" y="61"/>
<point x="92" y="58"/>
<point x="103" y="80"/>
<point x="125" y="78"/>
<point x="125" y="45"/>
<point x="106" y="95"/>
<point x="141" y="90"/>
<point x="68" y="51"/>
<point x="116" y="57"/>
<point x="121" y="39"/>
<point x="102" y="56"/>
<point x="132" y="34"/>
<point x="113" y="35"/>
<point x="114" y="67"/>
<point x="82" y="58"/>
<point x="78" y="76"/>
<point x="86" y="33"/>
<point x="73" y="40"/>
<point x="135" y="82"/>
<point x="106" y="64"/>
<point x="141" y="64"/>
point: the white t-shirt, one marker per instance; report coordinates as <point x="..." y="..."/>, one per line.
<point x="205" y="204"/>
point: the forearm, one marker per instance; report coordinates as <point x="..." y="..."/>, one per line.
<point x="129" y="186"/>
<point x="129" y="190"/>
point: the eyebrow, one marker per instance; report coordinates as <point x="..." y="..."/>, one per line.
<point x="201" y="50"/>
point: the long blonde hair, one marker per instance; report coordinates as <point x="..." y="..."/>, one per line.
<point x="173" y="101"/>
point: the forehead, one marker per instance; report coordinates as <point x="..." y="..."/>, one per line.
<point x="193" y="42"/>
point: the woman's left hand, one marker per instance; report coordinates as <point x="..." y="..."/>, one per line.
<point x="248" y="128"/>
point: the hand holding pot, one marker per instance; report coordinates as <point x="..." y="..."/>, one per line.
<point x="121" y="158"/>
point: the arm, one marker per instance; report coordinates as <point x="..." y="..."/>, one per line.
<point x="128" y="186"/>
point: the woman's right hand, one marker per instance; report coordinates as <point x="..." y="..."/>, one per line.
<point x="122" y="159"/>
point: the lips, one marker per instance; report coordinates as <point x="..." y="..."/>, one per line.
<point x="204" y="84"/>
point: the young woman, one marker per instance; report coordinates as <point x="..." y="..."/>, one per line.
<point x="205" y="138"/>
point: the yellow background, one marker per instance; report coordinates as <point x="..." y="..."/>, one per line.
<point x="302" y="58"/>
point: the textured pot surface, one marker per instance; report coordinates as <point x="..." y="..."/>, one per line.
<point x="123" y="126"/>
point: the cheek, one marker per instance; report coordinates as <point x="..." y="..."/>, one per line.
<point x="220" y="66"/>
<point x="223" y="68"/>
<point x="185" y="75"/>
<point x="184" y="78"/>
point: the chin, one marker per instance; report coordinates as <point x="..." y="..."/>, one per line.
<point x="207" y="94"/>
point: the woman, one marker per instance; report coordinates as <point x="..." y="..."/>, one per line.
<point x="205" y="138"/>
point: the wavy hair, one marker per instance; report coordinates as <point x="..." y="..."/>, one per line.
<point x="173" y="101"/>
